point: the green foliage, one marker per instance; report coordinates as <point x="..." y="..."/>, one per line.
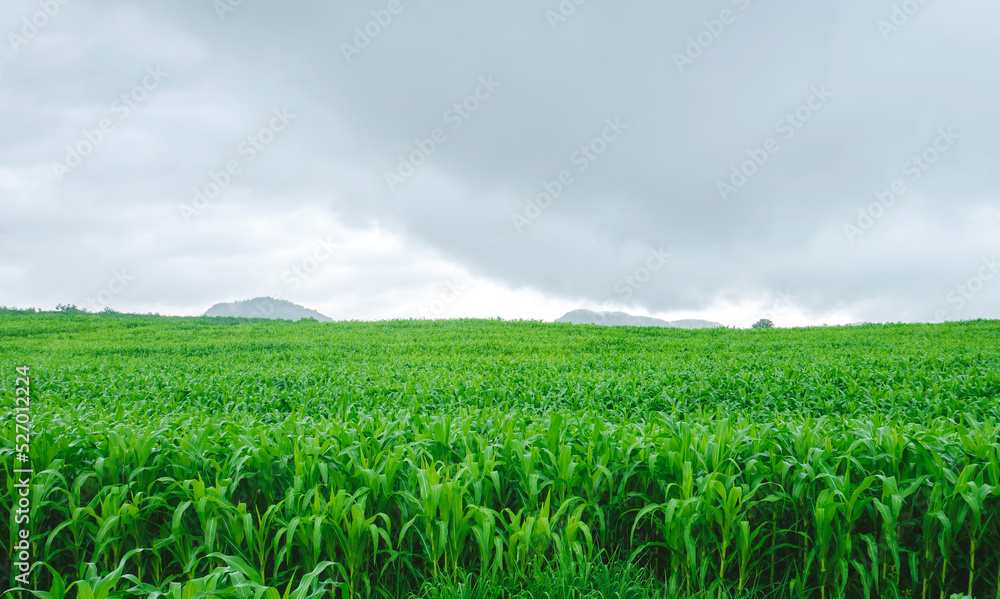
<point x="763" y="323"/>
<point x="185" y="457"/>
<point x="68" y="308"/>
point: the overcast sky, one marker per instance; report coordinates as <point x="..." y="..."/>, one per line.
<point x="814" y="162"/>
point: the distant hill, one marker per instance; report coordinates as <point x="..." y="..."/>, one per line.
<point x="623" y="319"/>
<point x="265" y="307"/>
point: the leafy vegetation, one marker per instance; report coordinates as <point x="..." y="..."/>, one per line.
<point x="216" y="457"/>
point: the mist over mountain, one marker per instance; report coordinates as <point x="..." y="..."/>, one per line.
<point x="624" y="319"/>
<point x="265" y="307"/>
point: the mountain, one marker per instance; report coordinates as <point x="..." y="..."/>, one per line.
<point x="265" y="307"/>
<point x="623" y="319"/>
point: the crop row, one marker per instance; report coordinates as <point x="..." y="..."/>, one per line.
<point x="837" y="506"/>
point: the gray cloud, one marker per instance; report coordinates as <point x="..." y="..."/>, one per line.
<point x="657" y="184"/>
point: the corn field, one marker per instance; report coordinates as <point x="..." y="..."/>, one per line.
<point x="195" y="457"/>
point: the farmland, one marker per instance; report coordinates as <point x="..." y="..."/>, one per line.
<point x="492" y="459"/>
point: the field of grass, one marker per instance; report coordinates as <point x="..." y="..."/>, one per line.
<point x="195" y="457"/>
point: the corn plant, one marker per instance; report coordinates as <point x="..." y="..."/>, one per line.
<point x="187" y="457"/>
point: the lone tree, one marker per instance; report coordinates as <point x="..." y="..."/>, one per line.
<point x="763" y="323"/>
